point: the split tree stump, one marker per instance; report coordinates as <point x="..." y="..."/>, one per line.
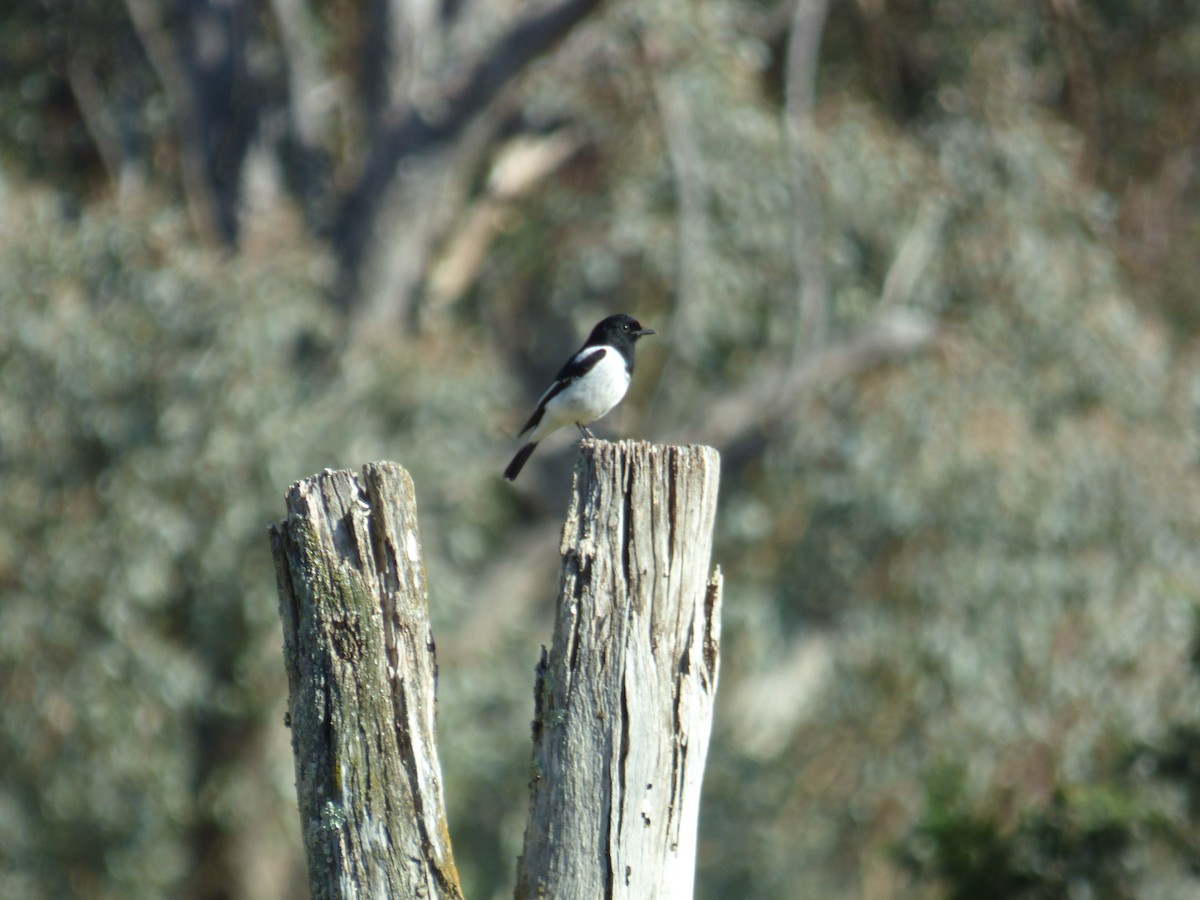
<point x="623" y="700"/>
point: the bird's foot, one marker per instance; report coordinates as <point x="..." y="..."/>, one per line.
<point x="585" y="431"/>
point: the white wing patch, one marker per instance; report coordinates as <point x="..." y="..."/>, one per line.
<point x="587" y="398"/>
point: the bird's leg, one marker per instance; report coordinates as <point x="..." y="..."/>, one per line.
<point x="585" y="431"/>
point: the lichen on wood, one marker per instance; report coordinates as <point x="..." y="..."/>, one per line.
<point x="361" y="674"/>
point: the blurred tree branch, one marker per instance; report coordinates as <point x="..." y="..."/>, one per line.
<point x="914" y="254"/>
<point x="521" y="164"/>
<point x="198" y="48"/>
<point x="771" y="396"/>
<point x="400" y="134"/>
<point x="416" y="94"/>
<point x="803" y="56"/>
<point x="309" y="101"/>
<point x="112" y="133"/>
<point x="691" y="193"/>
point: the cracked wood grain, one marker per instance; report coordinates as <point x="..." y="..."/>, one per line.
<point x="362" y="676"/>
<point x="624" y="698"/>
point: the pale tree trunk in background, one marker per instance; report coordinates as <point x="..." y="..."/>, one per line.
<point x="429" y="128"/>
<point x="430" y="99"/>
<point x="624" y="700"/>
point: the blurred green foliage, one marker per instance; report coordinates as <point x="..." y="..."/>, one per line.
<point x="1077" y="842"/>
<point x="961" y="588"/>
<point x="143" y="386"/>
<point x="155" y="401"/>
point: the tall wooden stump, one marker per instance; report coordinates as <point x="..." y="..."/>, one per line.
<point x="624" y="700"/>
<point x="361" y="673"/>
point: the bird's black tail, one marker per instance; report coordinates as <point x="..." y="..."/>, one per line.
<point x="518" y="461"/>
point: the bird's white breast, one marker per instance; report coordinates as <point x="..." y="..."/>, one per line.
<point x="588" y="398"/>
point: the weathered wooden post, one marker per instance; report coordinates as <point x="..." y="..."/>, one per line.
<point x="624" y="700"/>
<point x="361" y="672"/>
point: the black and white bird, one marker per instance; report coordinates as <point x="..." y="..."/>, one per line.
<point x="587" y="387"/>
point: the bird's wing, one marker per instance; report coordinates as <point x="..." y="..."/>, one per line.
<point x="574" y="369"/>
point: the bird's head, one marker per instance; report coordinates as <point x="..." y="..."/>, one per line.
<point x="619" y="327"/>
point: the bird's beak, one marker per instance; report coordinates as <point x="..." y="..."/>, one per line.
<point x="646" y="331"/>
